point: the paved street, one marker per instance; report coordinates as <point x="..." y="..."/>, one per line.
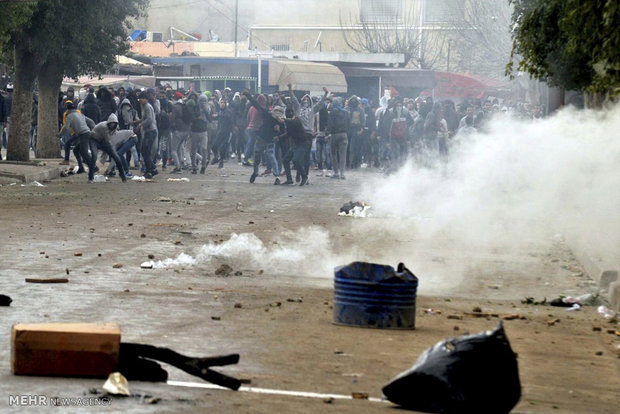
<point x="277" y="312"/>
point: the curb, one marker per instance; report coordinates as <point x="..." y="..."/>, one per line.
<point x="603" y="272"/>
<point x="45" y="172"/>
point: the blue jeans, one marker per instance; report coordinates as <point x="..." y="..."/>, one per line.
<point x="127" y="146"/>
<point x="249" y="147"/>
<point x="267" y="150"/>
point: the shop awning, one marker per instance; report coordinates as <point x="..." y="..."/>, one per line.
<point x="306" y="76"/>
<point x="112" y="80"/>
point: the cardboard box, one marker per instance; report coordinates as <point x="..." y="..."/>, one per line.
<point x="65" y="349"/>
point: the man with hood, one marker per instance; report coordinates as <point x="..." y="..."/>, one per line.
<point x="79" y="126"/>
<point x="337" y="128"/>
<point x="305" y="112"/>
<point x="265" y="142"/>
<point x="127" y="119"/>
<point x="106" y="102"/>
<point x="297" y="150"/>
<point x="224" y="132"/>
<point x="101" y="137"/>
<point x="90" y="108"/>
<point x="198" y="135"/>
<point x="357" y="123"/>
<point x="149" y="135"/>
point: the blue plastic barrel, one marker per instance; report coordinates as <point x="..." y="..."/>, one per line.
<point x="371" y="295"/>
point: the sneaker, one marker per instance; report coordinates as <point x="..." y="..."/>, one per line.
<point x="203" y="170"/>
<point x="247" y="164"/>
<point x="63" y="162"/>
<point x="298" y="178"/>
<point x="276" y="182"/>
<point x="80" y="171"/>
<point x="303" y="182"/>
<point x="288" y="182"/>
<point x="335" y="176"/>
<point x="110" y="174"/>
<point x="253" y="178"/>
<point x="129" y="175"/>
<point x="123" y="179"/>
<point x="148" y="176"/>
<point x="154" y="173"/>
<point x="221" y="164"/>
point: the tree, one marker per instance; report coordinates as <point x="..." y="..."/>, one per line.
<point x="573" y="44"/>
<point x="87" y="49"/>
<point x="17" y="15"/>
<point x="61" y="38"/>
<point x="482" y="40"/>
<point x="399" y="32"/>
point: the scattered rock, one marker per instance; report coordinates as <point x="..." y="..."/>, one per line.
<point x="275" y="304"/>
<point x="67" y="271"/>
<point x="457" y="317"/>
<point x="238" y="305"/>
<point x="117" y="266"/>
<point x="294" y="300"/>
<point x="41" y="252"/>
<point x="238" y="273"/>
<point x="126" y="290"/>
<point x="77" y="254"/>
<point x="476" y="309"/>
<point x="359" y="395"/>
<point x="456" y="328"/>
<point x="596" y="329"/>
<point x="598" y="353"/>
<point x="215" y="318"/>
<point x="329" y="400"/>
<point x="178" y="242"/>
<point x="224" y="270"/>
<point x="261" y="271"/>
<point x="245" y="380"/>
<point x="251" y="222"/>
<point x="142" y="235"/>
<point x="552" y="322"/>
<point x="163" y="200"/>
<point x="151" y="256"/>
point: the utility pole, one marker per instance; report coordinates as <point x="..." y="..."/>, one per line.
<point x="236" y="23"/>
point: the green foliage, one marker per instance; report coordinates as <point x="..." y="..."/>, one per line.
<point x="83" y="36"/>
<point x="573" y="44"/>
<point x="15" y="15"/>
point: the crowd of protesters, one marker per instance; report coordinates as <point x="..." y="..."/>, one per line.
<point x="186" y="131"/>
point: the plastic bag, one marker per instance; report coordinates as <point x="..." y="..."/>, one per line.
<point x="469" y="374"/>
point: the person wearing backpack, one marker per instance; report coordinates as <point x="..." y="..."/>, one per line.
<point x="180" y="119"/>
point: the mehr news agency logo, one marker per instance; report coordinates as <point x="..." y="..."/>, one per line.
<point x="43" y="400"/>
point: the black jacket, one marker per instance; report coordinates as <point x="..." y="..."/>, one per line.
<point x="91" y="110"/>
<point x="338" y="121"/>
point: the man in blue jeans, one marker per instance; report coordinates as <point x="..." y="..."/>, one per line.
<point x="265" y="143"/>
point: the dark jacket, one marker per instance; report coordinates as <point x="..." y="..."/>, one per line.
<point x="296" y="131"/>
<point x="91" y="109"/>
<point x="338" y="121"/>
<point x="106" y="103"/>
<point x="267" y="131"/>
<point x="2" y="115"/>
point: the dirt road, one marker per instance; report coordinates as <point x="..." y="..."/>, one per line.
<point x="288" y="240"/>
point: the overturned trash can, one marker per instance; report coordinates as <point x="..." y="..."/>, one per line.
<point x="470" y="374"/>
<point x="370" y="295"/>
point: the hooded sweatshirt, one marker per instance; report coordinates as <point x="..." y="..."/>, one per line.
<point x="91" y="109"/>
<point x="101" y="132"/>
<point x="255" y="117"/>
<point x="77" y="123"/>
<point x="127" y="115"/>
<point x="305" y="112"/>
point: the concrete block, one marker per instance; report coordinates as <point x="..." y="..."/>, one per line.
<point x="614" y="295"/>
<point x="606" y="278"/>
<point x="65" y="349"/>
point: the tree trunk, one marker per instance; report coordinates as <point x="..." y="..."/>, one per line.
<point x="50" y="79"/>
<point x="18" y="148"/>
<point x="594" y="100"/>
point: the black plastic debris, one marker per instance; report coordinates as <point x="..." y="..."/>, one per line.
<point x="470" y="374"/>
<point x="5" y="300"/>
<point x="347" y="207"/>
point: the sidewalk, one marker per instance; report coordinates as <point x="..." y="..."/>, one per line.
<point x="29" y="171"/>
